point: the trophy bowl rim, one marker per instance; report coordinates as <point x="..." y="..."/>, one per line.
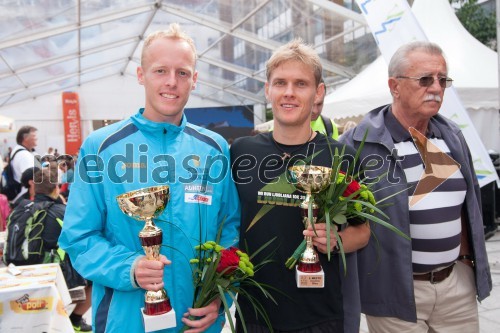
<point x="143" y="191"/>
<point x="298" y="170"/>
<point x="126" y="197"/>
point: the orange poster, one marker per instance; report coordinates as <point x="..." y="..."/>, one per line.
<point x="72" y="124"/>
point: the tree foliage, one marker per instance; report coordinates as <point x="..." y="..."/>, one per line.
<point x="478" y="22"/>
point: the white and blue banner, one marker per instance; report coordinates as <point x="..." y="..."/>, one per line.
<point x="393" y="24"/>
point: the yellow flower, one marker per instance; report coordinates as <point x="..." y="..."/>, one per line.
<point x="207" y="246"/>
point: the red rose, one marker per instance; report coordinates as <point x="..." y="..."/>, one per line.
<point x="351" y="188"/>
<point x="228" y="259"/>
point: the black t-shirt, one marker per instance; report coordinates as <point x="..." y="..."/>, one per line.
<point x="256" y="162"/>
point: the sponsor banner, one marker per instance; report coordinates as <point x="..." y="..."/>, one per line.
<point x="198" y="198"/>
<point x="27" y="305"/>
<point x="393" y="24"/>
<point x="72" y="123"/>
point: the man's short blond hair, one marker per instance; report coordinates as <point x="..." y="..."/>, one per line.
<point x="174" y="31"/>
<point x="296" y="50"/>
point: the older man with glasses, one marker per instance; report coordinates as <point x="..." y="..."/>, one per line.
<point x="428" y="284"/>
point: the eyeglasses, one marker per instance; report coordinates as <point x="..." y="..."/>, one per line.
<point x="427" y="81"/>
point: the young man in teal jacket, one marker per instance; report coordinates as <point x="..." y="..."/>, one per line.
<point x="156" y="146"/>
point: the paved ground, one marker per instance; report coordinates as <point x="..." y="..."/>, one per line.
<point x="489" y="309"/>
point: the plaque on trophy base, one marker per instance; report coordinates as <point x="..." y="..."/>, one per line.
<point x="158" y="322"/>
<point x="310" y="280"/>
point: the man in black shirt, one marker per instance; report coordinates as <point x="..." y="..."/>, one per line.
<point x="293" y="86"/>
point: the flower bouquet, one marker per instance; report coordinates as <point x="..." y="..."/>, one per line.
<point x="344" y="199"/>
<point x="223" y="273"/>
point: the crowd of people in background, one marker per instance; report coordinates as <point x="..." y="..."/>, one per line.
<point x="45" y="179"/>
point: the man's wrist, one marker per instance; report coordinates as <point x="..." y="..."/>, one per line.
<point x="133" y="278"/>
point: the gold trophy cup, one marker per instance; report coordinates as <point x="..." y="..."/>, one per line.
<point x="144" y="205"/>
<point x="309" y="179"/>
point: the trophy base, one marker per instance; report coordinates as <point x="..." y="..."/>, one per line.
<point x="157" y="308"/>
<point x="310" y="280"/>
<point x="158" y="322"/>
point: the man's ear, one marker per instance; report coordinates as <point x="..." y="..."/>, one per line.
<point x="393" y="86"/>
<point x="195" y="79"/>
<point x="140" y="75"/>
<point x="320" y="93"/>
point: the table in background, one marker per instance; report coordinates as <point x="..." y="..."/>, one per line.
<point x="34" y="301"/>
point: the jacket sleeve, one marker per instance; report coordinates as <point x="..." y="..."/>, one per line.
<point x="84" y="236"/>
<point x="468" y="156"/>
<point x="229" y="210"/>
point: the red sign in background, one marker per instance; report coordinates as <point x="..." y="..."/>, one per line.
<point x="72" y="124"/>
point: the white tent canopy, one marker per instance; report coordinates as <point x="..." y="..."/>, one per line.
<point x="93" y="48"/>
<point x="473" y="67"/>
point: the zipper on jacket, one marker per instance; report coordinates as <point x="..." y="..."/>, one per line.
<point x="170" y="240"/>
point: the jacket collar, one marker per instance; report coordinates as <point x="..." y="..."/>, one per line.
<point x="151" y="126"/>
<point x="375" y="123"/>
<point x="374" y="126"/>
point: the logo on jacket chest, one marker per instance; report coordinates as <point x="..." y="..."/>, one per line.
<point x="198" y="193"/>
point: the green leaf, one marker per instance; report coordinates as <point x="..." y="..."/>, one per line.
<point x="226" y="307"/>
<point x="341" y="250"/>
<point x="340" y="218"/>
<point x="385" y="224"/>
<point x="328" y="228"/>
<point x="292" y="261"/>
<point x="263" y="211"/>
<point x="263" y="247"/>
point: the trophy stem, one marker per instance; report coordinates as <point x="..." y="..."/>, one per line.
<point x="151" y="238"/>
<point x="309" y="259"/>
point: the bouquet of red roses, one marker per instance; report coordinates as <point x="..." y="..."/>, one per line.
<point x="223" y="273"/>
